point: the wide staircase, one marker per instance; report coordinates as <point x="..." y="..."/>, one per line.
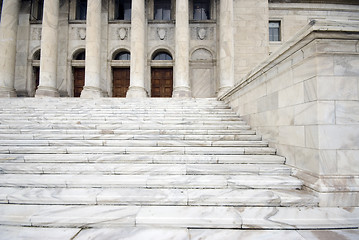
<point x="75" y="163"/>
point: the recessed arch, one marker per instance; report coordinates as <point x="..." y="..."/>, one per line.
<point x="36" y="55"/>
<point x="162" y="55"/>
<point x="79" y="54"/>
<point x="201" y="54"/>
<point x="121" y="55"/>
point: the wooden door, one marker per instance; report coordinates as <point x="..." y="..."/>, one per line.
<point x="121" y="82"/>
<point x="161" y="82"/>
<point x="36" y="72"/>
<point x="79" y="81"/>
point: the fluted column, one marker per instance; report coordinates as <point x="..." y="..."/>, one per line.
<point x="181" y="71"/>
<point x="48" y="60"/>
<point x="92" y="88"/>
<point x="138" y="54"/>
<point x="8" y="33"/>
<point x="226" y="46"/>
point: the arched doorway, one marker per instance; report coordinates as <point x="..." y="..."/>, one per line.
<point x="78" y="65"/>
<point x="162" y="75"/>
<point x="120" y="73"/>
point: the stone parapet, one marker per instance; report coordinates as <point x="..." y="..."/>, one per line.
<point x="304" y="99"/>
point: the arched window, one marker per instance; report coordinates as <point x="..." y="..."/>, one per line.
<point x="122" y="56"/>
<point x="37" y="55"/>
<point x="80" y="55"/>
<point x="162" y="56"/>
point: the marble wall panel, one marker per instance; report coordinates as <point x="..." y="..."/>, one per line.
<point x="337" y="88"/>
<point x="346" y="65"/>
<point x="348" y="161"/>
<point x="291" y="96"/>
<point x="344" y="137"/>
<point x="292" y="135"/>
<point x="347" y="112"/>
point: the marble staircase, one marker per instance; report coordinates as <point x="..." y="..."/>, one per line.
<point x="77" y="163"/>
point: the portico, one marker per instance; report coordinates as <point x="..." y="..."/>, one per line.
<point x="182" y="29"/>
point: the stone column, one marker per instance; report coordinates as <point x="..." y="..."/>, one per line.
<point x="138" y="54"/>
<point x="92" y="88"/>
<point x="8" y="34"/>
<point x="226" y="47"/>
<point x="48" y="60"/>
<point x="181" y="71"/>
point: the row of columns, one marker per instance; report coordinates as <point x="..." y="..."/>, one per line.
<point x="92" y="88"/>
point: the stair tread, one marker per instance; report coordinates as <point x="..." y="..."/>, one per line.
<point x="178" y="216"/>
<point x="154" y="181"/>
<point x="150" y="196"/>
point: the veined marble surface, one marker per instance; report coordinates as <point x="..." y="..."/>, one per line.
<point x="140" y="233"/>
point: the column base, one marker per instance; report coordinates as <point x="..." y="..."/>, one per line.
<point x="182" y="92"/>
<point x="223" y="90"/>
<point x="136" y="92"/>
<point x="91" y="92"/>
<point x="7" y="93"/>
<point x="46" y="92"/>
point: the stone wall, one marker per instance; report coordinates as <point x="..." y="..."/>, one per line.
<point x="294" y="16"/>
<point x="304" y="99"/>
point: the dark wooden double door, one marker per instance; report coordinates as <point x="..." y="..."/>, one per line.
<point x="79" y="81"/>
<point x="161" y="82"/>
<point x="121" y="81"/>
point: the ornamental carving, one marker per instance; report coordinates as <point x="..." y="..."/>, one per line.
<point x="202" y="33"/>
<point x="36" y="34"/>
<point x="161" y="32"/>
<point x="122" y="33"/>
<point x="81" y="33"/>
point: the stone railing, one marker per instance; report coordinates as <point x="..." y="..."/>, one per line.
<point x="304" y="99"/>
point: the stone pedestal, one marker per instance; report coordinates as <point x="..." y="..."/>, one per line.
<point x="8" y="33"/>
<point x="226" y="47"/>
<point x="181" y="70"/>
<point x="138" y="56"/>
<point x="92" y="88"/>
<point x="48" y="62"/>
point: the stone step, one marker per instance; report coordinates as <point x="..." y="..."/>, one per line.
<point x="120" y="122"/>
<point x="84" y="136"/>
<point x="150" y="181"/>
<point x="128" y="117"/>
<point x="135" y="150"/>
<point x="178" y="216"/>
<point x="133" y="143"/>
<point x="134" y="158"/>
<point x="129" y="132"/>
<point x="134" y="126"/>
<point x="161" y="233"/>
<point x="157" y="197"/>
<point x="140" y="169"/>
